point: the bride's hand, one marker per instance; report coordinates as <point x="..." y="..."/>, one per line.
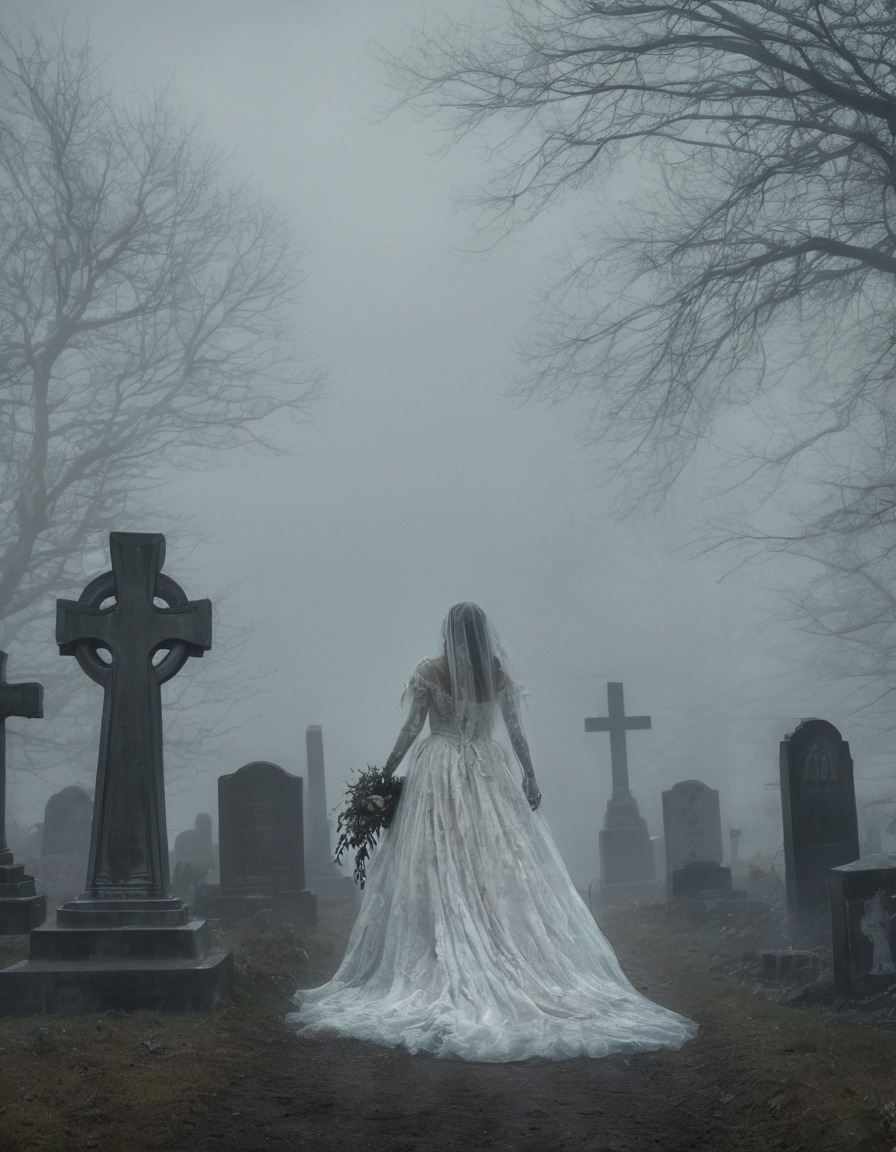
<point x="530" y="787"/>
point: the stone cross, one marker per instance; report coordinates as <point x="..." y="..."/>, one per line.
<point x="145" y="643"/>
<point x="617" y="724"/>
<point x="15" y="700"/>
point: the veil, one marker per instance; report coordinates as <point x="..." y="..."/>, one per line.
<point x="473" y="652"/>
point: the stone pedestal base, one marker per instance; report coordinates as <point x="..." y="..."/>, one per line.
<point x="334" y="889"/>
<point x="21" y="909"/>
<point x="124" y="955"/>
<point x="613" y="895"/>
<point x="299" y="908"/>
<point x="626" y="855"/>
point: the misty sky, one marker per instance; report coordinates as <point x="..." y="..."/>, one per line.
<point x="419" y="483"/>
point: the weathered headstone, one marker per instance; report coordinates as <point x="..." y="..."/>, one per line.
<point x="693" y="831"/>
<point x="195" y="847"/>
<point x="627" y="868"/>
<point x="126" y="943"/>
<point x="863" y="923"/>
<point x="819" y="812"/>
<point x="322" y="874"/>
<point x="261" y="845"/>
<point x="68" y="818"/>
<point x="65" y="845"/>
<point x="21" y="908"/>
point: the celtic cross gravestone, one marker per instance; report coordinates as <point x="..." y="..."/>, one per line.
<point x="627" y="866"/>
<point x="21" y="909"/>
<point x="126" y="943"/>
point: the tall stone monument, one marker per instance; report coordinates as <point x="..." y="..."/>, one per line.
<point x="126" y="942"/>
<point x="323" y="875"/>
<point x="818" y="807"/>
<point x="21" y="908"/>
<point x="627" y="865"/>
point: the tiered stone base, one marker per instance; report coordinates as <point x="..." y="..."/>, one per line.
<point x="21" y="909"/>
<point x="123" y="955"/>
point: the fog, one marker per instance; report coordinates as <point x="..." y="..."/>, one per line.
<point x="420" y="482"/>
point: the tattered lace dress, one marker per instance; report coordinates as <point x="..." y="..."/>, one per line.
<point x="471" y="941"/>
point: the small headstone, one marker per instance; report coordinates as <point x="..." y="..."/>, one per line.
<point x="863" y="923"/>
<point x="261" y="845"/>
<point x="68" y="816"/>
<point x="819" y="812"/>
<point x="734" y="840"/>
<point x="692" y="827"/>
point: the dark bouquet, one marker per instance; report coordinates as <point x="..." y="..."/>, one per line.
<point x="371" y="801"/>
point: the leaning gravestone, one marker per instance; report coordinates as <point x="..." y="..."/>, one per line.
<point x="863" y="923"/>
<point x="21" y="908"/>
<point x="261" y="846"/>
<point x="692" y="829"/>
<point x="818" y="805"/>
<point x="126" y="943"/>
<point x="195" y="847"/>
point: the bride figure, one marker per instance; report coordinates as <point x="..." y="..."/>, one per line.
<point x="471" y="941"/>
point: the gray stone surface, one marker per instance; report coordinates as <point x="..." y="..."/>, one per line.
<point x="863" y="925"/>
<point x="21" y="908"/>
<point x="126" y="943"/>
<point x="626" y="851"/>
<point x="261" y="844"/>
<point x="196" y="848"/>
<point x="818" y="806"/>
<point x="68" y="819"/>
<point x="692" y="825"/>
<point x="322" y="874"/>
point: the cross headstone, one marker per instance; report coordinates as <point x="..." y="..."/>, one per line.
<point x="21" y="909"/>
<point x="626" y="853"/>
<point x="261" y="845"/>
<point x="131" y="630"/>
<point x="818" y="806"/>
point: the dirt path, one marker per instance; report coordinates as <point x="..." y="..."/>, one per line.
<point x="758" y="1077"/>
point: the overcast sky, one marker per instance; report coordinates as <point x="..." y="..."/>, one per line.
<point x="419" y="483"/>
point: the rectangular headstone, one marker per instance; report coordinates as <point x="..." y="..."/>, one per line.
<point x="261" y="844"/>
<point x="692" y="825"/>
<point x="863" y="924"/>
<point x="818" y="804"/>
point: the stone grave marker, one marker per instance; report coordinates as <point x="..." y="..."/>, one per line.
<point x="863" y="925"/>
<point x="261" y="845"/>
<point x="65" y="844"/>
<point x="21" y="908"/>
<point x="323" y="875"/>
<point x="818" y="805"/>
<point x="627" y="867"/>
<point x="126" y="943"/>
<point x="692" y="827"/>
<point x="195" y="847"/>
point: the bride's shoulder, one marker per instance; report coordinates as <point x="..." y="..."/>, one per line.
<point x="433" y="671"/>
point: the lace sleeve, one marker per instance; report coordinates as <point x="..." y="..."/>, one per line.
<point x="419" y="692"/>
<point x="509" y="698"/>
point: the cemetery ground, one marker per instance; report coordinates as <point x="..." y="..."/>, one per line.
<point x="759" y="1076"/>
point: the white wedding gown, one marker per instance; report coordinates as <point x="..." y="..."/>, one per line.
<point x="471" y="941"/>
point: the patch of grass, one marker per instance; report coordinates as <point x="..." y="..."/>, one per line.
<point x="137" y="1081"/>
<point x="809" y="1081"/>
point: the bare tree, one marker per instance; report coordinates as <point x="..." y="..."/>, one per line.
<point x="148" y="311"/>
<point x="747" y="295"/>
